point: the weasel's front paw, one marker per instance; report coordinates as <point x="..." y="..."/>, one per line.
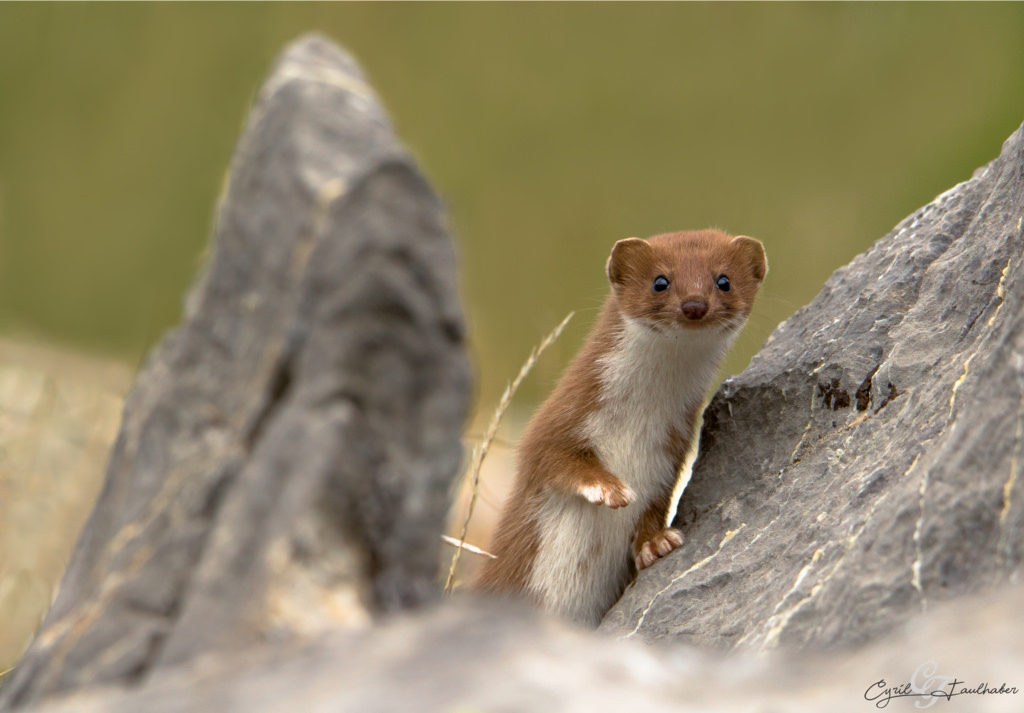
<point x="657" y="547"/>
<point x="611" y="494"/>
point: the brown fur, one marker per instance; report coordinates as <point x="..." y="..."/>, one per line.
<point x="555" y="458"/>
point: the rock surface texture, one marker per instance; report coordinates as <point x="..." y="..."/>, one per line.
<point x="488" y="658"/>
<point x="283" y="469"/>
<point x="867" y="463"/>
<point x="286" y="456"/>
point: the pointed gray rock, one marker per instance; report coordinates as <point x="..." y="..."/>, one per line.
<point x="286" y="455"/>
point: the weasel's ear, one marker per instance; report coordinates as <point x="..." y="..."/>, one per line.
<point x="752" y="252"/>
<point x="626" y="257"/>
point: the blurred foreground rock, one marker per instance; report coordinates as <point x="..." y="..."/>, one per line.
<point x="281" y="477"/>
<point x="286" y="455"/>
<point x="491" y="658"/>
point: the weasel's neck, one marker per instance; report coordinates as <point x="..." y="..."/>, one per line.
<point x="661" y="368"/>
<point x="651" y="386"/>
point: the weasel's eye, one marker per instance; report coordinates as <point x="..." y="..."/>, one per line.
<point x="723" y="283"/>
<point x="661" y="283"/>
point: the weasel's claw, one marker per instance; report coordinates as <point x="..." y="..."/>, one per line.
<point x="657" y="547"/>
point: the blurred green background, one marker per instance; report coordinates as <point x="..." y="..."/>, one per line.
<point x="551" y="130"/>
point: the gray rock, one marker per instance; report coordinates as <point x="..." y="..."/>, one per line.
<point x="866" y="465"/>
<point x="472" y="657"/>
<point x="286" y="455"/>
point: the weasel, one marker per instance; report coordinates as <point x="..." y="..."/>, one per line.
<point x="600" y="459"/>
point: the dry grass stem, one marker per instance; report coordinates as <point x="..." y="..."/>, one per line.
<point x="464" y="545"/>
<point x="480" y="452"/>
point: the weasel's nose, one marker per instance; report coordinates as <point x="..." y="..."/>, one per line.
<point x="694" y="310"/>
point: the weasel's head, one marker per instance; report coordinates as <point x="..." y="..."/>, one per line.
<point x="690" y="280"/>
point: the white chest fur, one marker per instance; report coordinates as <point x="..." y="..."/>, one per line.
<point x="650" y="384"/>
